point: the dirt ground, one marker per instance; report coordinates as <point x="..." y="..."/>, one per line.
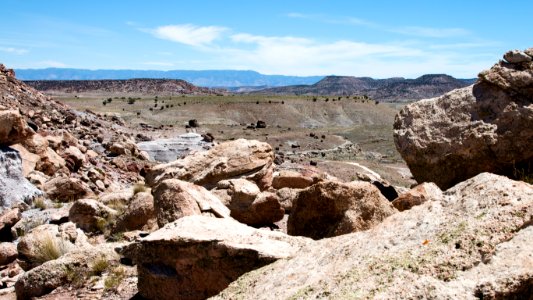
<point x="303" y="128"/>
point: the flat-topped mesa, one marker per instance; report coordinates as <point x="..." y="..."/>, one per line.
<point x="486" y="127"/>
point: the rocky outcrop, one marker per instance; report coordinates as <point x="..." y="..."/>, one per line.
<point x="487" y="127"/>
<point x="224" y="161"/>
<point x="417" y="195"/>
<point x="331" y="208"/>
<point x="174" y="199"/>
<point x="14" y="188"/>
<point x="167" y="150"/>
<point x="13" y="128"/>
<point x="475" y="243"/>
<point x="196" y="257"/>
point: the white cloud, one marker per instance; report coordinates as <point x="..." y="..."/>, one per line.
<point x="189" y="34"/>
<point x="12" y="50"/>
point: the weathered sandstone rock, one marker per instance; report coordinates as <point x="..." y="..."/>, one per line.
<point x="8" y="253"/>
<point x="47" y="242"/>
<point x="91" y="215"/>
<point x="487" y="127"/>
<point x="139" y="212"/>
<point x="66" y="189"/>
<point x="174" y="199"/>
<point x="196" y="257"/>
<point x="247" y="203"/>
<point x="417" y="195"/>
<point x="475" y="243"/>
<point x="63" y="271"/>
<point x="13" y="128"/>
<point x="291" y="179"/>
<point x="331" y="208"/>
<point x="224" y="161"/>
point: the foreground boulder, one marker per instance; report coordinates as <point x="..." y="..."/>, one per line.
<point x="332" y="208"/>
<point x="473" y="244"/>
<point x="196" y="257"/>
<point x="487" y="127"/>
<point x="138" y="214"/>
<point x="91" y="215"/>
<point x="174" y="199"/>
<point x="224" y="161"/>
<point x="14" y="188"/>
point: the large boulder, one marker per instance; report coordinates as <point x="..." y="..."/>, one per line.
<point x="13" y="128"/>
<point x="224" y="161"/>
<point x="196" y="257"/>
<point x="332" y="208"/>
<point x="473" y="244"/>
<point x="14" y="188"/>
<point x="247" y="203"/>
<point x="8" y="253"/>
<point x="8" y="218"/>
<point x="487" y="127"/>
<point x="174" y="199"/>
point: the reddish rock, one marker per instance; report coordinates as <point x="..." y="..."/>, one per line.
<point x="331" y="208"/>
<point x="417" y="195"/>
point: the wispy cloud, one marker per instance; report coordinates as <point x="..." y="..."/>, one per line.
<point x="189" y="34"/>
<point x="11" y="50"/>
<point x="417" y="31"/>
<point x="430" y="32"/>
<point x="293" y="55"/>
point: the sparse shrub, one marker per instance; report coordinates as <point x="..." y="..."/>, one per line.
<point x="75" y="275"/>
<point x="109" y="100"/>
<point x="282" y="102"/>
<point x="104" y="103"/>
<point x="99" y="266"/>
<point x="50" y="248"/>
<point x="139" y="187"/>
<point x="256" y="102"/>
<point x="115" y="277"/>
<point x="151" y="109"/>
<point x="138" y="113"/>
<point x="102" y="224"/>
<point x="131" y="100"/>
<point x="40" y="203"/>
<point x="162" y="107"/>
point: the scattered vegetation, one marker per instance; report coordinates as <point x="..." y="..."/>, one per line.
<point x="114" y="278"/>
<point x="139" y="187"/>
<point x="99" y="267"/>
<point x="40" y="203"/>
<point x="50" y="248"/>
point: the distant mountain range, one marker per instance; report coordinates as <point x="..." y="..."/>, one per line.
<point x="391" y="89"/>
<point x="161" y="87"/>
<point x="208" y="78"/>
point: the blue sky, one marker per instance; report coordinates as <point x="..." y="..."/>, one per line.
<point x="360" y="38"/>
